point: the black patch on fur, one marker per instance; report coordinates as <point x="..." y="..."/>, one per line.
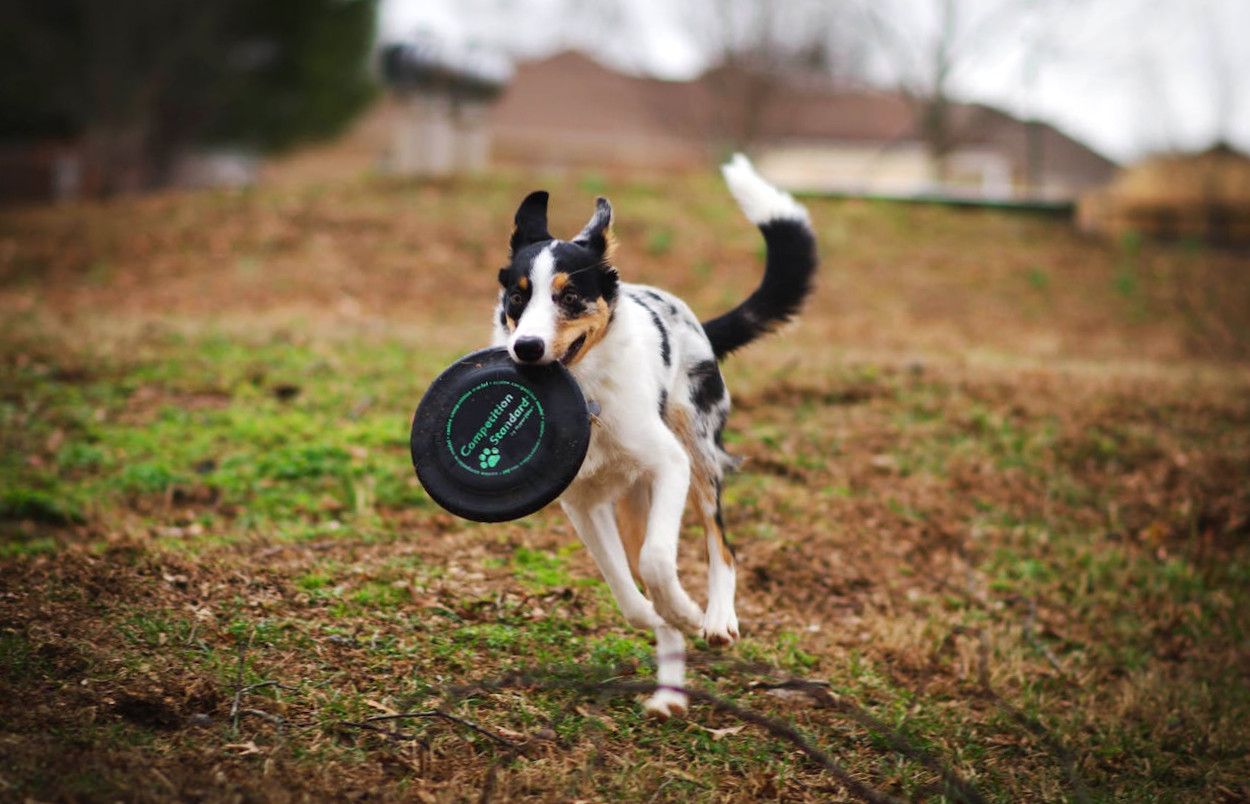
<point x="668" y="305"/>
<point x="788" y="271"/>
<point x="663" y="403"/>
<point x="503" y="318"/>
<point x="706" y="386"/>
<point x="666" y="351"/>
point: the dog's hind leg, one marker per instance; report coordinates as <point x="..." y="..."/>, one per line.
<point x="598" y="532"/>
<point x="720" y="622"/>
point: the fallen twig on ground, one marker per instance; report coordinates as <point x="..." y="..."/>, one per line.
<point x="276" y="720"/>
<point x="1030" y="635"/>
<point x="1031" y="724"/>
<point x="818" y="691"/>
<point x="778" y="728"/>
<point x="439" y="713"/>
<point x="240" y="691"/>
<point x="511" y="748"/>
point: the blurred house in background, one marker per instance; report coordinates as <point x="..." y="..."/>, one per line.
<point x="1181" y="196"/>
<point x="805" y="132"/>
<point x="442" y="93"/>
<point x="452" y="110"/>
<point x="868" y="143"/>
<point x="569" y="110"/>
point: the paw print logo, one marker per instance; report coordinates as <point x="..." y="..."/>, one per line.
<point x="489" y="458"/>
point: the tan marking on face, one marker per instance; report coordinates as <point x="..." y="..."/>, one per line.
<point x="558" y="282"/>
<point x="523" y="283"/>
<point x="594" y="325"/>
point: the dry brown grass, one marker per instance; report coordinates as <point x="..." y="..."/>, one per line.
<point x="995" y="497"/>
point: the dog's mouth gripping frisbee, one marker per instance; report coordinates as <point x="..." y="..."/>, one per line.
<point x="493" y="440"/>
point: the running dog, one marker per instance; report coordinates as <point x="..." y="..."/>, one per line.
<point x="650" y="368"/>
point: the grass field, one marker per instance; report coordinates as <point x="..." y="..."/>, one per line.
<point x="995" y="507"/>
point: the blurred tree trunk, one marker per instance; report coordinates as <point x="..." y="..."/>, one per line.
<point x="923" y="69"/>
<point x="133" y="54"/>
<point x="935" y="105"/>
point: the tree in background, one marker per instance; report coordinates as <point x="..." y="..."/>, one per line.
<point x="757" y="46"/>
<point x="141" y="82"/>
<point x="922" y="60"/>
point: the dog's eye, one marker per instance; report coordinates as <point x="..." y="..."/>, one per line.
<point x="516" y="299"/>
<point x="566" y="296"/>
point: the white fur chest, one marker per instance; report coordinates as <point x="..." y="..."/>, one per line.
<point x="607" y="461"/>
<point x="610" y="463"/>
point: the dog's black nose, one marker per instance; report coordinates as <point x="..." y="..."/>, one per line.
<point x="529" y="349"/>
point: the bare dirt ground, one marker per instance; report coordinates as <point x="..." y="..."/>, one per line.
<point x="992" y="521"/>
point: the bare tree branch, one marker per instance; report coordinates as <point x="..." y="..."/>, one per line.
<point x="778" y="728"/>
<point x="438" y="713"/>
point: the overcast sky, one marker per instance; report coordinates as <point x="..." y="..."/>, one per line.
<point x="1126" y="76"/>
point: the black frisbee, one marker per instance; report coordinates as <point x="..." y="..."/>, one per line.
<point x="493" y="440"/>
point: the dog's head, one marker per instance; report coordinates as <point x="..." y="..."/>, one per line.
<point x="558" y="295"/>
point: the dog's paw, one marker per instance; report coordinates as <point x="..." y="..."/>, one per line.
<point x="680" y="612"/>
<point x="672" y="602"/>
<point x="665" y="703"/>
<point x="720" y="629"/>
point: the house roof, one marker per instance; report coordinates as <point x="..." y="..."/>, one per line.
<point x="570" y="98"/>
<point x="570" y="106"/>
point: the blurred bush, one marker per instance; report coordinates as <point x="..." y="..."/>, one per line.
<point x="138" y="84"/>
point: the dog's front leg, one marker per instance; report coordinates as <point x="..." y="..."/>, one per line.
<point x="657" y="561"/>
<point x="597" y="529"/>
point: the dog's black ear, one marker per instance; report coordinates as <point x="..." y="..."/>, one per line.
<point x="596" y="236"/>
<point x="531" y="221"/>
